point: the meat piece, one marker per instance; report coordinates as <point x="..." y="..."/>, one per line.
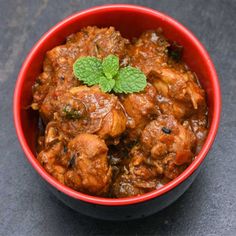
<point x="53" y="155"/>
<point x="180" y="87"/>
<point x="61" y="103"/>
<point x="168" y="141"/>
<point x="58" y="64"/>
<point x="149" y="52"/>
<point x="90" y="172"/>
<point x="57" y="75"/>
<point x="179" y="94"/>
<point x="48" y="159"/>
<point x="74" y="164"/>
<point x="140" y="108"/>
<point x="82" y="109"/>
<point x="99" y="42"/>
<point x="138" y="176"/>
<point x="199" y="125"/>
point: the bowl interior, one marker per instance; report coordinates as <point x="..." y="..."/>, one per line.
<point x="131" y="23"/>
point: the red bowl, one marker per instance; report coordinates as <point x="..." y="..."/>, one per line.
<point x="131" y="21"/>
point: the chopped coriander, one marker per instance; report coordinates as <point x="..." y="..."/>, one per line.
<point x="71" y="113"/>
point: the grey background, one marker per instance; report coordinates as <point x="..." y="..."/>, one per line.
<point x="207" y="208"/>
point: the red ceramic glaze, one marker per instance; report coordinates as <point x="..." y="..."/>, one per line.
<point x="131" y="21"/>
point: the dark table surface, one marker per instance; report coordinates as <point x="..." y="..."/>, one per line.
<point x="207" y="208"/>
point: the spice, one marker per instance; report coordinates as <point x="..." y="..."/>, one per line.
<point x="71" y="113"/>
<point x="175" y="51"/>
<point x="65" y="149"/>
<point x="166" y="130"/>
<point x="72" y="161"/>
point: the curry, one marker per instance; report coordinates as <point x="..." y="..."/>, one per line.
<point x="119" y="144"/>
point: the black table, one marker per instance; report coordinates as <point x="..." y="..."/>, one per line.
<point x="207" y="208"/>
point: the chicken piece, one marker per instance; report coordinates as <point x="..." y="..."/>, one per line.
<point x="61" y="103"/>
<point x="83" y="109"/>
<point x="179" y="93"/>
<point x="90" y="172"/>
<point x="170" y="143"/>
<point x="48" y="159"/>
<point x="149" y="52"/>
<point x="53" y="134"/>
<point x="58" y="64"/>
<point x="179" y="110"/>
<point x="53" y="155"/>
<point x="57" y="73"/>
<point x="180" y="87"/>
<point x="138" y="176"/>
<point x="99" y="42"/>
<point x="140" y="108"/>
<point x="73" y="163"/>
<point x="199" y="126"/>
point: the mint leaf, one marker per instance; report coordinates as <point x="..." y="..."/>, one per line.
<point x="110" y="66"/>
<point x="118" y="87"/>
<point x="88" y="70"/>
<point x="93" y="71"/>
<point x="130" y="80"/>
<point x="106" y="84"/>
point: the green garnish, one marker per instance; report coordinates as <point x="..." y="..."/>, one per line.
<point x="88" y="69"/>
<point x="71" y="113"/>
<point x="108" y="75"/>
<point x="106" y="84"/>
<point x="130" y="80"/>
<point x="110" y="66"/>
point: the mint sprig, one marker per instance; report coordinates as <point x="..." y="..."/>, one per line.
<point x="108" y="75"/>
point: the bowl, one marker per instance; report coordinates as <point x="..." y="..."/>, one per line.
<point x="131" y="21"/>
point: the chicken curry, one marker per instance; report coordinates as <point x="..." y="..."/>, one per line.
<point x="118" y="144"/>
